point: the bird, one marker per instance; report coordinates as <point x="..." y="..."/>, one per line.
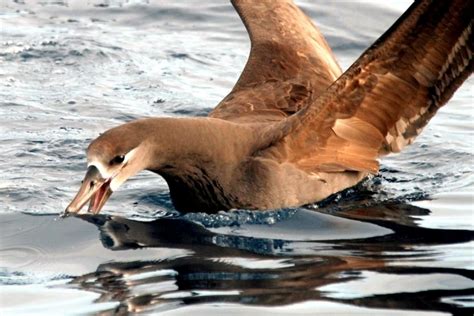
<point x="294" y="129"/>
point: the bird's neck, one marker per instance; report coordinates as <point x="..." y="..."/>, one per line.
<point x="198" y="159"/>
<point x="179" y="142"/>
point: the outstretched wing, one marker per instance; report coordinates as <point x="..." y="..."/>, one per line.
<point x="290" y="63"/>
<point x="382" y="102"/>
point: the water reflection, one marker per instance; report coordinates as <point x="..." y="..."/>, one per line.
<point x="395" y="270"/>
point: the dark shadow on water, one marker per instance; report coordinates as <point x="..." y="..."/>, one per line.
<point x="273" y="272"/>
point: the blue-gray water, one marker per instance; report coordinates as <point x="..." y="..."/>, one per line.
<point x="402" y="241"/>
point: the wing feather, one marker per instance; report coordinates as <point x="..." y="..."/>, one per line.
<point x="383" y="101"/>
<point x="289" y="64"/>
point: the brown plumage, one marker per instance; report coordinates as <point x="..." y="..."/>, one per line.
<point x="294" y="130"/>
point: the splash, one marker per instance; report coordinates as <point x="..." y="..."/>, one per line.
<point x="240" y="217"/>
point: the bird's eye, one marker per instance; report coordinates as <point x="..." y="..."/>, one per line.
<point x="117" y="160"/>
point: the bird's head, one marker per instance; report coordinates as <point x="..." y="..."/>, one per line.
<point x="112" y="158"/>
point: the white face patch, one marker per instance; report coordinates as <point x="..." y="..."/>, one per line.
<point x="105" y="171"/>
<point x="130" y="155"/>
<point x="102" y="169"/>
<point x="115" y="183"/>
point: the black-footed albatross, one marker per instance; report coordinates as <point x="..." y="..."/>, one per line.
<point x="294" y="130"/>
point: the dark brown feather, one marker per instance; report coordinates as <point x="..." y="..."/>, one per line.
<point x="382" y="102"/>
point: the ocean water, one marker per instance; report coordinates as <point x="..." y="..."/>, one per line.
<point x="399" y="243"/>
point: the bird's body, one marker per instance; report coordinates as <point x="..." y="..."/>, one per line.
<point x="294" y="130"/>
<point x="212" y="164"/>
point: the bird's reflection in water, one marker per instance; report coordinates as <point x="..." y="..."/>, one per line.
<point x="269" y="272"/>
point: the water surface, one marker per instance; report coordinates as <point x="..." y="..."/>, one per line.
<point x="401" y="241"/>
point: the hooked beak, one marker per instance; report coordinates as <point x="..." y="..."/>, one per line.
<point x="95" y="189"/>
